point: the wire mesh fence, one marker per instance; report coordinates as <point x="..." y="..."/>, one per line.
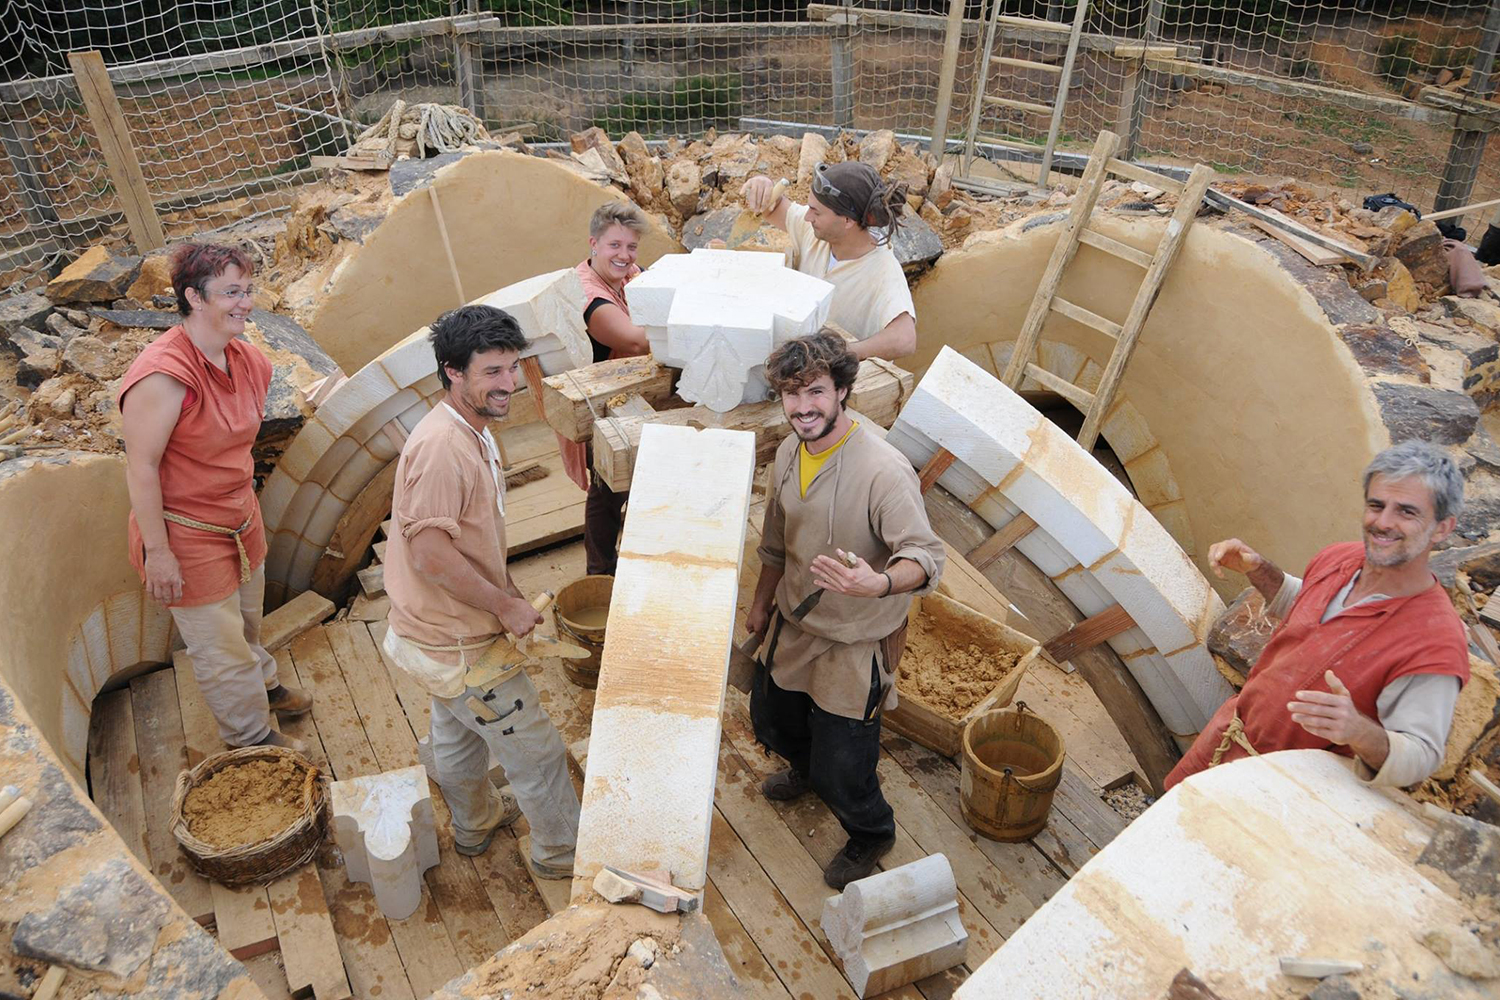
<point x="225" y="101"/>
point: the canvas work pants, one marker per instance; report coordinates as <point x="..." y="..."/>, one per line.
<point x="232" y="668"/>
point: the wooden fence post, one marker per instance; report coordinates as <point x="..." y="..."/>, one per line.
<point x="18" y="144"/>
<point x="1467" y="146"/>
<point x="842" y="46"/>
<point x="119" y="152"/>
<point x="465" y="60"/>
<point x="951" y="42"/>
<point x="1137" y="84"/>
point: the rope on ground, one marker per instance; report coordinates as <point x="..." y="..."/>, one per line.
<point x="420" y="130"/>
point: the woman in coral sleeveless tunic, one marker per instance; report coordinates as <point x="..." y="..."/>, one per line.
<point x="191" y="404"/>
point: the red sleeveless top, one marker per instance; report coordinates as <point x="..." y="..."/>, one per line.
<point x="207" y="473"/>
<point x="1366" y="647"/>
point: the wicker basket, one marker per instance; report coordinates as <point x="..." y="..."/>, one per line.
<point x="269" y="859"/>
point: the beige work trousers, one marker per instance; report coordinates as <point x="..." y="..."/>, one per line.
<point x="232" y="668"/>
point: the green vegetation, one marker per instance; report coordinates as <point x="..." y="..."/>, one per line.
<point x="1400" y="55"/>
<point x="699" y="100"/>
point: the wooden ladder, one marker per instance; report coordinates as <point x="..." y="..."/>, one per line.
<point x="1000" y="24"/>
<point x="1102" y="163"/>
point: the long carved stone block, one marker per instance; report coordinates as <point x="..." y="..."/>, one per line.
<point x="384" y="826"/>
<point x="718" y="314"/>
<point x="648" y="792"/>
<point x="898" y="926"/>
<point x="1094" y="539"/>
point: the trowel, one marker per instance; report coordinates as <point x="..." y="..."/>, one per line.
<point x="504" y="653"/>
<point x="747" y="223"/>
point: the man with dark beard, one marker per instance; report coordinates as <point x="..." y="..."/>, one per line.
<point x="845" y="514"/>
<point x="1369" y="657"/>
<point x="452" y="597"/>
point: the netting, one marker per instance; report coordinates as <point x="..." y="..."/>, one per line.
<point x="226" y="100"/>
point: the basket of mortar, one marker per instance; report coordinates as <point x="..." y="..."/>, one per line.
<point x="271" y="857"/>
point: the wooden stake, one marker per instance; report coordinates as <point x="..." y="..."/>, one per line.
<point x="119" y="152"/>
<point x="952" y="39"/>
<point x="437" y="211"/>
<point x="1454" y="213"/>
<point x="50" y="984"/>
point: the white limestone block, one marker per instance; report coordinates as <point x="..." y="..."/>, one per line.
<point x="897" y="926"/>
<point x="718" y="314"/>
<point x="1093" y="537"/>
<point x="648" y="792"/>
<point x="549" y="308"/>
<point x="384" y="826"/>
<point x="1288" y="853"/>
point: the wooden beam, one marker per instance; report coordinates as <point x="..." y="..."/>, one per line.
<point x="1001" y="541"/>
<point x="934" y="469"/>
<point x="880" y="388"/>
<point x="1392" y="107"/>
<point x="1088" y="633"/>
<point x="1048" y="611"/>
<point x="953" y="32"/>
<point x="570" y="400"/>
<point x="1225" y="202"/>
<point x="293" y="618"/>
<point x="119" y="152"/>
<point x="309" y="948"/>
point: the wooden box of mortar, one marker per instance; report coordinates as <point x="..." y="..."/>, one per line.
<point x="958" y="664"/>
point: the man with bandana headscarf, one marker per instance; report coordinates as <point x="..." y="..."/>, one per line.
<point x="841" y="235"/>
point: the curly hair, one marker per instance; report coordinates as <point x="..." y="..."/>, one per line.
<point x="799" y="362"/>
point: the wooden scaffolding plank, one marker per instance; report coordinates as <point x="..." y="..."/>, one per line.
<point x="749" y="966"/>
<point x="1135" y="321"/>
<point x="1089" y="187"/>
<point x="114" y="768"/>
<point x="119" y="152"/>
<point x="757" y="903"/>
<point x="1087" y="317"/>
<point x="423" y="951"/>
<point x="1114" y="247"/>
<point x="309" y="949"/>
<point x="200" y="731"/>
<point x="472" y="922"/>
<point x="163" y="755"/>
<point x="1090" y="813"/>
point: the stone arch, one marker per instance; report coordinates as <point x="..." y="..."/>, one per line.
<point x="1124" y="429"/>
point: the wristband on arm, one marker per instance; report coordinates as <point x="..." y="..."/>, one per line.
<point x="888" y="583"/>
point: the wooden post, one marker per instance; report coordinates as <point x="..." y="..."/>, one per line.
<point x="951" y="42"/>
<point x="1467" y="147"/>
<point x="119" y="153"/>
<point x="465" y="58"/>
<point x="842" y="52"/>
<point x="1132" y="115"/>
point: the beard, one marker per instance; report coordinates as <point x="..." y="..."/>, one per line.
<point x="819" y="431"/>
<point x="1404" y="551"/>
<point x="494" y="405"/>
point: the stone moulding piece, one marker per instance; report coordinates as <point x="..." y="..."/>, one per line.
<point x="718" y="314"/>
<point x="648" y="792"/>
<point x="1094" y="539"/>
<point x="897" y="926"/>
<point x="383" y="824"/>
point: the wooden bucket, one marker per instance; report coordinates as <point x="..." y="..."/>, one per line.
<point x="580" y="610"/>
<point x="1012" y="763"/>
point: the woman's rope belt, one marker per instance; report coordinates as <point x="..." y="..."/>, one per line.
<point x="188" y="522"/>
<point x="1233" y="733"/>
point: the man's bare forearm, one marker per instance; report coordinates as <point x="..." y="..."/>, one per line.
<point x="1267" y="578"/>
<point x="437" y="559"/>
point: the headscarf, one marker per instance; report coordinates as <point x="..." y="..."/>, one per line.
<point x="855" y="191"/>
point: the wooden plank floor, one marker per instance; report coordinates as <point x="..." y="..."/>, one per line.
<point x="766" y="891"/>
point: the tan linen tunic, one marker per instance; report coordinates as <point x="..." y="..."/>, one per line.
<point x="445" y="480"/>
<point x="869" y="291"/>
<point x="865" y="500"/>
